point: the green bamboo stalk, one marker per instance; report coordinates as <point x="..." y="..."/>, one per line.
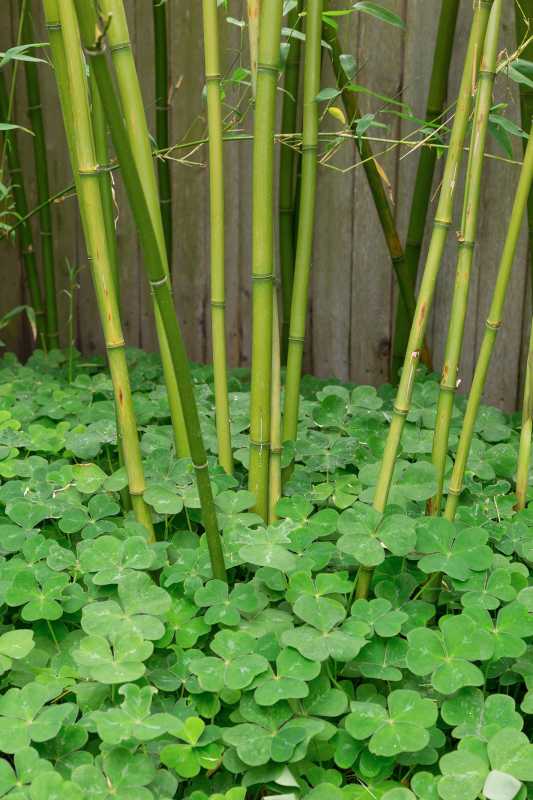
<point x="35" y="114"/>
<point x="524" y="449"/>
<point x="106" y="186"/>
<point x="441" y="226"/>
<point x="276" y="448"/>
<point x="304" y="246"/>
<point x="492" y="326"/>
<point x="156" y="267"/>
<point x="524" y="30"/>
<point x="25" y="236"/>
<point x="60" y="14"/>
<point x="216" y="183"/>
<point x="253" y="8"/>
<point x="137" y="128"/>
<point x="465" y="257"/>
<point x="162" y="109"/>
<point x="379" y="195"/>
<point x="438" y="90"/>
<point x="288" y="217"/>
<point x="263" y="252"/>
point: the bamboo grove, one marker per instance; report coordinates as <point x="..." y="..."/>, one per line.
<point x="108" y="134"/>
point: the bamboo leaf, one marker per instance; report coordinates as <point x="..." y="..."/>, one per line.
<point x="377" y="11"/>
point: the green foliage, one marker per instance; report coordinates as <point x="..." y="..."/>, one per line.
<point x="129" y="672"/>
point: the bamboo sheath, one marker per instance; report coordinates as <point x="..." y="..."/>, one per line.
<point x="162" y="108"/>
<point x="155" y="264"/>
<point x="216" y="197"/>
<point x="133" y="109"/>
<point x="492" y="326"/>
<point x="379" y="196"/>
<point x="441" y="225"/>
<point x="20" y="202"/>
<point x="61" y="17"/>
<point x="35" y="114"/>
<point x="306" y="219"/>
<point x="466" y="245"/>
<point x="263" y="252"/>
<point x="288" y="159"/>
<point x="438" y="90"/>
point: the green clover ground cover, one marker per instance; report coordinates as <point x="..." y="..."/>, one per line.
<point x="130" y="674"/>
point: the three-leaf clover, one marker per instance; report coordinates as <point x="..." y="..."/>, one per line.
<point x="401" y="728"/>
<point x="289" y="681"/>
<point x="25" y="717"/>
<point x="365" y="533"/>
<point x="455" y="552"/>
<point x="236" y="666"/>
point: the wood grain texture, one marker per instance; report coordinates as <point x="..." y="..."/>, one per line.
<point x="353" y="294"/>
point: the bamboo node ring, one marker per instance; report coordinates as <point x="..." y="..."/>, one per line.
<point x="493" y="326"/>
<point x="115" y="345"/>
<point x="218" y="304"/>
<point x="269" y="277"/>
<point x="268" y="68"/>
<point x="160" y="282"/>
<point x="260" y="445"/>
<point x="200" y="466"/>
<point x="402" y="412"/>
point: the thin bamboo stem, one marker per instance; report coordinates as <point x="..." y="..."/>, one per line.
<point x="137" y="129"/>
<point x="465" y="257"/>
<point x="524" y="30"/>
<point x="288" y="218"/>
<point x="276" y="448"/>
<point x="438" y="90"/>
<point x="159" y="279"/>
<point x="375" y="184"/>
<point x="492" y="326"/>
<point x="25" y="236"/>
<point x="162" y="109"/>
<point x="60" y="15"/>
<point x="441" y="226"/>
<point x="216" y="184"/>
<point x="524" y="449"/>
<point x="253" y="8"/>
<point x="306" y="220"/>
<point x="35" y="114"/>
<point x="263" y="252"/>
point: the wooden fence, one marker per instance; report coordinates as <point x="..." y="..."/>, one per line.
<point x="353" y="293"/>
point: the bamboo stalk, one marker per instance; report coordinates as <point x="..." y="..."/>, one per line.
<point x="35" y="114"/>
<point x="60" y="14"/>
<point x="524" y="449"/>
<point x="438" y="90"/>
<point x="155" y="264"/>
<point x="25" y="236"/>
<point x="492" y="326"/>
<point x="263" y="252"/>
<point x="137" y="129"/>
<point x="441" y="225"/>
<point x="306" y="220"/>
<point x="524" y="30"/>
<point x="216" y="184"/>
<point x="379" y="195"/>
<point x="276" y="448"/>
<point x="162" y="109"/>
<point x="253" y="8"/>
<point x="288" y="217"/>
<point x="465" y="257"/>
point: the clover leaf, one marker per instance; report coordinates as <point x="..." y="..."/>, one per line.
<point x="402" y="729"/>
<point x="365" y="534"/>
<point x="236" y="666"/>
<point x="225" y="607"/>
<point x="14" y="645"/>
<point x="110" y="559"/>
<point x="379" y="615"/>
<point x="474" y="715"/>
<point x="133" y="719"/>
<point x="25" y="717"/>
<point x="447" y="655"/>
<point x="463" y="774"/>
<point x="118" y="660"/>
<point x="39" y="598"/>
<point x="455" y="552"/>
<point x="289" y="681"/>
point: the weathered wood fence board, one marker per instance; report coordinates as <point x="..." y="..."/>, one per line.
<point x="353" y="293"/>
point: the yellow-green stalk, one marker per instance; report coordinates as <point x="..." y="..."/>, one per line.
<point x="162" y="108"/>
<point x="263" y="252"/>
<point x="216" y="186"/>
<point x="276" y="449"/>
<point x="253" y="8"/>
<point x="155" y="264"/>
<point x="438" y="89"/>
<point x="306" y="219"/>
<point x="441" y="226"/>
<point x="524" y="450"/>
<point x="465" y="257"/>
<point x="60" y="15"/>
<point x="524" y="32"/>
<point x="35" y="114"/>
<point x="492" y="326"/>
<point x="131" y="99"/>
<point x="288" y="159"/>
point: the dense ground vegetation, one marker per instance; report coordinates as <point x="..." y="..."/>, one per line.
<point x="129" y="672"/>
